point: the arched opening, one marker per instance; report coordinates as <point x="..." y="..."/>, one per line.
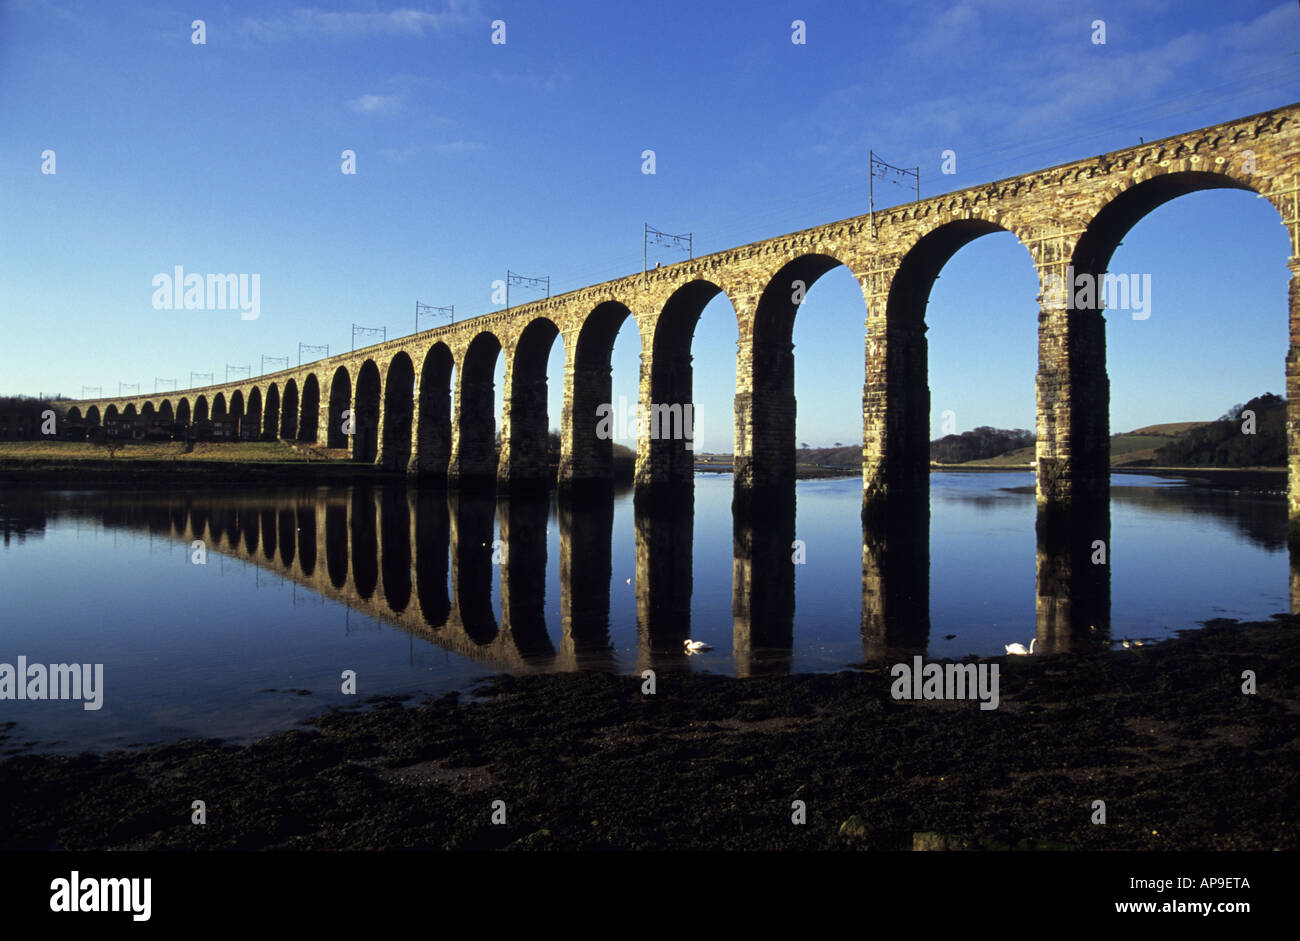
<point x="474" y="461"/>
<point x="765" y="386"/>
<point x="251" y="426"/>
<point x="271" y="414"/>
<point x="896" y="395"/>
<point x="309" y="423"/>
<point x="365" y="436"/>
<point x="165" y="412"/>
<point x="183" y="412"/>
<point x="201" y="408"/>
<point x="289" y="412"/>
<point x="110" y="413"/>
<point x="525" y="461"/>
<point x="92" y="415"/>
<point x="1154" y="347"/>
<point x="433" y="434"/>
<point x="340" y="402"/>
<point x="74" y="414"/>
<point x="238" y="423"/>
<point x="399" y="412"/>
<point x="148" y="412"/>
<point x="595" y="424"/>
<point x="676" y="406"/>
<point x="219" y="407"/>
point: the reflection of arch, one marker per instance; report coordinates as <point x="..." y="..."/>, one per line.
<point x="336" y="543"/>
<point x="587" y="459"/>
<point x="309" y="423"/>
<point x="183" y="411"/>
<point x="471" y="565"/>
<point x="365" y="435"/>
<point x="432" y="538"/>
<point x="289" y="412"/>
<point x="762" y="601"/>
<point x="307" y="539"/>
<point x="433" y="435"/>
<point x="395" y="546"/>
<point x="523" y="576"/>
<point x="250" y="523"/>
<point x="201" y="408"/>
<point x="399" y="410"/>
<point x="199" y="523"/>
<point x="586" y="567"/>
<point x="664" y="552"/>
<point x="340" y="402"/>
<point x="287" y="537"/>
<point x="525" y="458"/>
<point x="365" y="544"/>
<point x="474" y="462"/>
<point x="269" y="533"/>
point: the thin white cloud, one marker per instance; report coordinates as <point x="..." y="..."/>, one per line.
<point x="376" y="104"/>
<point x="407" y="21"/>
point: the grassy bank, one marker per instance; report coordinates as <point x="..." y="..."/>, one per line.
<point x="1162" y="734"/>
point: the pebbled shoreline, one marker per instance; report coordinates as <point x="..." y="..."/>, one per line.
<point x="1163" y="734"/>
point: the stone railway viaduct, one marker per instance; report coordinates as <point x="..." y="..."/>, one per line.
<point x="1067" y="217"/>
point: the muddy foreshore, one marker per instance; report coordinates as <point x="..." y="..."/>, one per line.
<point x="1163" y="734"/>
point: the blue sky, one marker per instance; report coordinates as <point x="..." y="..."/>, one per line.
<point x="474" y="157"/>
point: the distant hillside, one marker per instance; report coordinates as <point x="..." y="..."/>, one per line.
<point x="843" y="456"/>
<point x="1225" y="443"/>
<point x="979" y="444"/>
<point x="1167" y="430"/>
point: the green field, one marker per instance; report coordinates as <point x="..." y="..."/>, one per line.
<point x="179" y="451"/>
<point x="1128" y="448"/>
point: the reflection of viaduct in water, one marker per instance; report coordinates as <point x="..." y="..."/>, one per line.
<point x="384" y="552"/>
<point x="423" y="560"/>
<point x="1070" y="219"/>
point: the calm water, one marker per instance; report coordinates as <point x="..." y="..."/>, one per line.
<point x="419" y="593"/>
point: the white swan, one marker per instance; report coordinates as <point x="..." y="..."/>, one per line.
<point x="1019" y="649"/>
<point x="695" y="646"/>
